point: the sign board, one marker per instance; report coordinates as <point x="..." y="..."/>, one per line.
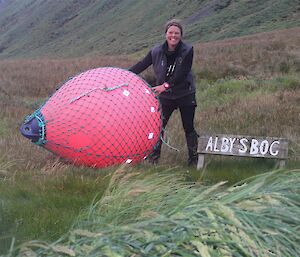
<point x="237" y="145"/>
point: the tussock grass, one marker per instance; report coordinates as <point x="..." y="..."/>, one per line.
<point x="260" y="112"/>
<point x="36" y="188"/>
<point x="261" y="55"/>
<point x="41" y="196"/>
<point x="43" y="202"/>
<point x="161" y="215"/>
<point x="33" y="78"/>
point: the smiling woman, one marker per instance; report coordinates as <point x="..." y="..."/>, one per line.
<point x="172" y="63"/>
<point x="173" y="34"/>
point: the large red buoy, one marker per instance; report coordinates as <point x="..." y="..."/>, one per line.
<point x="101" y="117"/>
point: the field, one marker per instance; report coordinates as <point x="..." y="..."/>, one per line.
<point x="247" y="86"/>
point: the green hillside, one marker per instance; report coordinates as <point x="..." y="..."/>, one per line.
<point x="247" y="85"/>
<point x="31" y="28"/>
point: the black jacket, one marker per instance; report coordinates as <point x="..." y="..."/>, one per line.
<point x="181" y="82"/>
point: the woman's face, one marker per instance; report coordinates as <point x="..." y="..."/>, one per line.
<point x="173" y="36"/>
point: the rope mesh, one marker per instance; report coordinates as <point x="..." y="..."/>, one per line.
<point x="102" y="117"/>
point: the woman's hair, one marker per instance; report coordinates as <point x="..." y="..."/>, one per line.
<point x="174" y="22"/>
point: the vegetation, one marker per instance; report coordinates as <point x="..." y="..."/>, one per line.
<point x="248" y="85"/>
<point x="73" y="28"/>
<point x="160" y="215"/>
<point x="43" y="202"/>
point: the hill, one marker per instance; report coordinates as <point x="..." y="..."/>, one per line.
<point x="248" y="85"/>
<point x="79" y="27"/>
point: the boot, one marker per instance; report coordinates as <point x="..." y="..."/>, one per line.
<point x="192" y="144"/>
<point x="154" y="156"/>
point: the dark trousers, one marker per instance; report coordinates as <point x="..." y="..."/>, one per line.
<point x="187" y="113"/>
<point x="186" y="106"/>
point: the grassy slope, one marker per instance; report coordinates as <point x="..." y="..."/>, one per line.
<point x="246" y="85"/>
<point x="73" y="28"/>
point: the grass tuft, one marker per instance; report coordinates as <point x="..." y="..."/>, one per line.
<point x="256" y="217"/>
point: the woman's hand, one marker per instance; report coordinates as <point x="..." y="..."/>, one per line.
<point x="161" y="88"/>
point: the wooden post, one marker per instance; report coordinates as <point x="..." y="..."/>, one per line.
<point x="281" y="164"/>
<point x="200" y="163"/>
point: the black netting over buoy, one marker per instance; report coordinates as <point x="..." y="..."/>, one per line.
<point x="101" y="117"/>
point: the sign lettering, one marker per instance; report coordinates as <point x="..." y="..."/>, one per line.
<point x="268" y="147"/>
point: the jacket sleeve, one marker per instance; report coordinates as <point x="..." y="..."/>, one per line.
<point x="183" y="69"/>
<point x="142" y="65"/>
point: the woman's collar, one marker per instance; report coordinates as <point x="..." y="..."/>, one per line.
<point x="165" y="46"/>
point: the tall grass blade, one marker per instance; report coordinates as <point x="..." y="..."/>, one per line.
<point x="259" y="217"/>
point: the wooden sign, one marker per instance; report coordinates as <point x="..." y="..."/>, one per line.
<point x="237" y="145"/>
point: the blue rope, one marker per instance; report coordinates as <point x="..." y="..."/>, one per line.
<point x="41" y="122"/>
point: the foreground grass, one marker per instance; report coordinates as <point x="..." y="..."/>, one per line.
<point x="245" y="86"/>
<point x="161" y="215"/>
<point x="41" y="196"/>
<point x="43" y="204"/>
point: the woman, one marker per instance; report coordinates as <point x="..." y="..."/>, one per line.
<point x="172" y="65"/>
